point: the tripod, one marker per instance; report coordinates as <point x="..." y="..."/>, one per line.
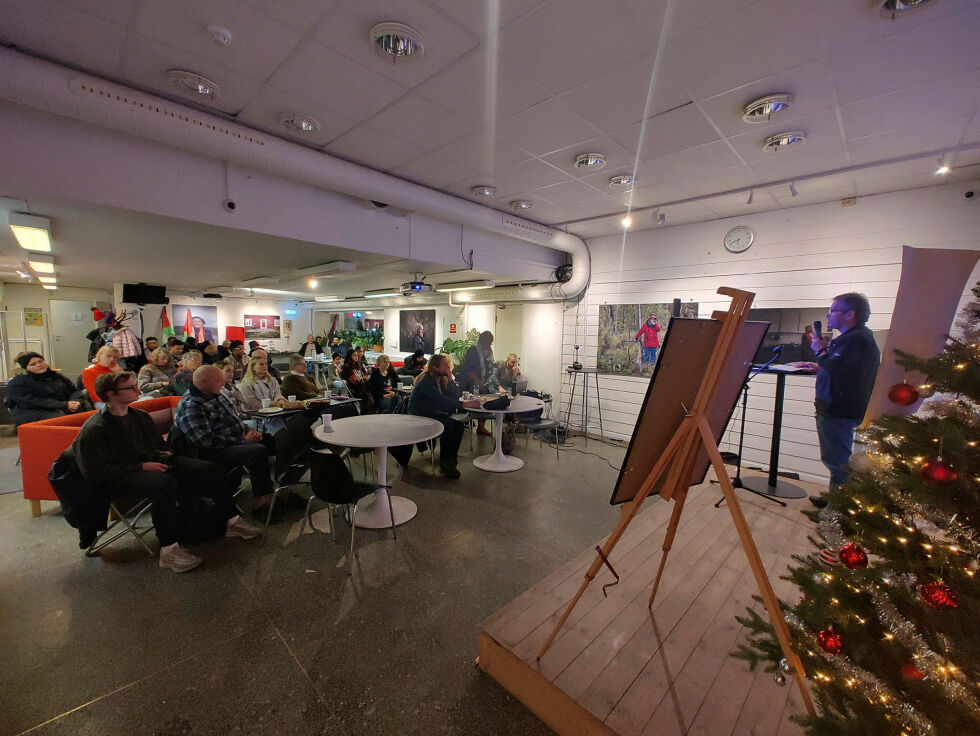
<point x="737" y="480"/>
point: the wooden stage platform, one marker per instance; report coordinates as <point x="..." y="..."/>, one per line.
<point x="615" y="669"/>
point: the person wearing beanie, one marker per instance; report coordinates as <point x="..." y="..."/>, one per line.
<point x="39" y="393"/>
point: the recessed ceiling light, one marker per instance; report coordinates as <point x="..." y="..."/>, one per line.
<point x="312" y="283"/>
<point x="944" y="169"/>
<point x="782" y="141"/>
<point x="220" y="35"/>
<point x="521" y="204"/>
<point x="892" y="8"/>
<point x="41" y="264"/>
<point x="49" y="287"/>
<point x="396" y="40"/>
<point x="484" y="191"/>
<point x="623" y="181"/>
<point x="301" y="123"/>
<point x="48" y="279"/>
<point x="590" y="161"/>
<point x="762" y="109"/>
<point x="193" y="84"/>
<point x="32" y="233"/>
<point x="626" y="222"/>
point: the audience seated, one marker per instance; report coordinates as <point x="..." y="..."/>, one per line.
<point x="176" y="349"/>
<point x="311" y="348"/>
<point x="183" y="378"/>
<point x="296" y="382"/>
<point x="263" y="353"/>
<point x="336" y="346"/>
<point x="382" y="385"/>
<point x="230" y="390"/>
<point x="414" y="364"/>
<point x="149" y="345"/>
<point x="334" y="378"/>
<point x="436" y="395"/>
<point x="119" y="447"/>
<point x="238" y="359"/>
<point x="157" y="373"/>
<point x="106" y="361"/>
<point x="210" y="353"/>
<point x="259" y="384"/>
<point x="356" y="377"/>
<point x="209" y="428"/>
<point x="509" y="371"/>
<point x="39" y="392"/>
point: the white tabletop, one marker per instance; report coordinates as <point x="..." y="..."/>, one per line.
<point x="380" y="430"/>
<point x="517" y="404"/>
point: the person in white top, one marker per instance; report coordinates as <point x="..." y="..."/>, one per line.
<point x="258" y="384"/>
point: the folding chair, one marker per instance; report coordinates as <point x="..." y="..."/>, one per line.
<point x="132" y="527"/>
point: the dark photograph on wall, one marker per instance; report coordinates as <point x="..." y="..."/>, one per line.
<point x="262" y="326"/>
<point x="417" y="331"/>
<point x="630" y="336"/>
<point x="197" y="321"/>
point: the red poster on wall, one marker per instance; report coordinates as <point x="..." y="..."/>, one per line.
<point x="235" y="333"/>
<point x="452" y="328"/>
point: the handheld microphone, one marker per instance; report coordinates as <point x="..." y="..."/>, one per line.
<point x="818" y="329"/>
<point x="778" y="349"/>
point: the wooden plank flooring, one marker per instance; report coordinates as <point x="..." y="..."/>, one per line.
<point x="614" y="668"/>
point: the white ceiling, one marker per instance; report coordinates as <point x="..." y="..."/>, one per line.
<point x="508" y="99"/>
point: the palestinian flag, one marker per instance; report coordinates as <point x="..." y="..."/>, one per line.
<point x="188" y="327"/>
<point x="166" y="329"/>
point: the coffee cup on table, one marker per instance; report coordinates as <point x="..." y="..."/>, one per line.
<point x="291" y="398"/>
<point x="266" y="403"/>
<point x="326" y="423"/>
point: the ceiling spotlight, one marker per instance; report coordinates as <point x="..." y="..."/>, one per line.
<point x="590" y="161"/>
<point x="792" y="189"/>
<point x="396" y="40"/>
<point x="623" y="181"/>
<point x="626" y="222"/>
<point x="220" y="35"/>
<point x="312" y="283"/>
<point x="892" y="8"/>
<point x="301" y="123"/>
<point x="484" y="190"/>
<point x="193" y="84"/>
<point x="521" y="204"/>
<point x="762" y="109"/>
<point x="751" y="196"/>
<point x="943" y="166"/>
<point x="784" y="140"/>
<point x="661" y="217"/>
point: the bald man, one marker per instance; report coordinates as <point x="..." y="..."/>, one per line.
<point x="210" y="429"/>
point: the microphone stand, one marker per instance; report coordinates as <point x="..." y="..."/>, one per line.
<point x="737" y="480"/>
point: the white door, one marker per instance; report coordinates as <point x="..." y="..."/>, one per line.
<point x="70" y="322"/>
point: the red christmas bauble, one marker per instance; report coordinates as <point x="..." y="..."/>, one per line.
<point x="939" y="595"/>
<point x="853" y="556"/>
<point x="911" y="672"/>
<point x="939" y="473"/>
<point x="830" y="641"/>
<point x="903" y="394"/>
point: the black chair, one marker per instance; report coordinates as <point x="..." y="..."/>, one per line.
<point x="332" y="483"/>
<point x="292" y="462"/>
<point x="541" y="424"/>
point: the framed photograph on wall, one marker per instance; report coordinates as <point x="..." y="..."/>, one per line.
<point x="262" y="326"/>
<point x="203" y="322"/>
<point x="627" y="333"/>
<point x="417" y="330"/>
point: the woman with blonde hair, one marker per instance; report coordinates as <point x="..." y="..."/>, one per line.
<point x="157" y="373"/>
<point x="258" y="384"/>
<point x="106" y="361"/>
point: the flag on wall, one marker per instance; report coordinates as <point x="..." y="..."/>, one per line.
<point x="188" y="327"/>
<point x="166" y="329"/>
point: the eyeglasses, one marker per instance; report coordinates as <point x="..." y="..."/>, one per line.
<point x="126" y="388"/>
<point x="839" y="310"/>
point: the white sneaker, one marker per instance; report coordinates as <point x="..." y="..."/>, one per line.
<point x="178" y="559"/>
<point x="238" y="527"/>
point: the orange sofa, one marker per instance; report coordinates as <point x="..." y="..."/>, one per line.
<point x="42" y="442"/>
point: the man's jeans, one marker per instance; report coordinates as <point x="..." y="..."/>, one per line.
<point x="649" y="355"/>
<point x="836" y="436"/>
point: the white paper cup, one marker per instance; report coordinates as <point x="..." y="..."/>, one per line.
<point x="291" y="399"/>
<point x="266" y="403"/>
<point x="326" y="423"/>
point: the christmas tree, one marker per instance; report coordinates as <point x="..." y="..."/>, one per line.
<point x="884" y="625"/>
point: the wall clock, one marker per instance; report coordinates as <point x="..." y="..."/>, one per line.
<point x="738" y="239"/>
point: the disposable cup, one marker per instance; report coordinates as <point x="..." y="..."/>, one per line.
<point x="291" y="398"/>
<point x="266" y="403"/>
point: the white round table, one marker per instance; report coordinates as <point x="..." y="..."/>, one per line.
<point x="498" y="462"/>
<point x="379" y="432"/>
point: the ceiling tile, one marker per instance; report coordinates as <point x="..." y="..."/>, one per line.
<point x="857" y="23"/>
<point x="736" y="177"/>
<point x="300" y="15"/>
<point x="810" y="159"/>
<point x="546" y="127"/>
<point x="146" y="62"/>
<point x="941" y="134"/>
<point x="433" y="170"/>
<point x="347" y="28"/>
<point x="79" y="38"/>
<point x="525" y="176"/>
<point x="655" y="195"/>
<point x="475" y="15"/>
<point x="742" y="48"/>
<point x="420" y="121"/>
<point x="923" y="53"/>
<point x="616" y="155"/>
<point x="567" y="193"/>
<point x="114" y="11"/>
<point x="258" y="44"/>
<point x="267" y="109"/>
<point x="471" y="90"/>
<point x="619" y="97"/>
<point x="484" y="152"/>
<point x="548" y="213"/>
<point x="973" y="131"/>
<point x="691" y="162"/>
<point x="821" y="128"/>
<point x="811" y="85"/>
<point x="556" y="44"/>
<point x="684" y="17"/>
<point x="373" y="148"/>
<point x="674" y="130"/>
<point x="334" y="82"/>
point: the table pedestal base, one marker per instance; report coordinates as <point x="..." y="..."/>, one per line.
<point x="498" y="463"/>
<point x="782" y="489"/>
<point x="375" y="515"/>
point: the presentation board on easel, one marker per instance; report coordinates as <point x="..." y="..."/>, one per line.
<point x="684" y="358"/>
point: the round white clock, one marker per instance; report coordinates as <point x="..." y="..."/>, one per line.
<point x="738" y="239"/>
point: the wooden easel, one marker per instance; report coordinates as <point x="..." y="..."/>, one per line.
<point x="677" y="463"/>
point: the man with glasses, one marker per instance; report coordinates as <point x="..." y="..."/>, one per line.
<point x="119" y="447"/>
<point x="846" y="370"/>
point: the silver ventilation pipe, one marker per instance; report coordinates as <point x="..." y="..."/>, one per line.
<point x="51" y="88"/>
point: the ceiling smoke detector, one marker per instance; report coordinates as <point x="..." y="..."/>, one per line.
<point x="521" y="204"/>
<point x="193" y="84"/>
<point x="484" y="191"/>
<point x="590" y="161"/>
<point x="301" y="123"/>
<point x="762" y="109"/>
<point x="220" y="35"/>
<point x="623" y="181"/>
<point x="781" y="141"/>
<point x="891" y="9"/>
<point x="396" y="40"/>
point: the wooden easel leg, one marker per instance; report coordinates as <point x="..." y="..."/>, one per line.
<point x="35" y="507"/>
<point x="755" y="563"/>
<point x="675" y="518"/>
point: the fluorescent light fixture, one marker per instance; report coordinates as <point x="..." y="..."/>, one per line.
<point x="466" y="285"/>
<point x="48" y="279"/>
<point x="49" y="287"/>
<point x="378" y="293"/>
<point x="257" y="290"/>
<point x="329" y="299"/>
<point x="33" y="233"/>
<point x="41" y="264"/>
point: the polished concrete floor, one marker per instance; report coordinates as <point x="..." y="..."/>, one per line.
<point x="277" y="639"/>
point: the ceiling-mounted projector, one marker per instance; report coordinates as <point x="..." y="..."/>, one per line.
<point x="409" y="288"/>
